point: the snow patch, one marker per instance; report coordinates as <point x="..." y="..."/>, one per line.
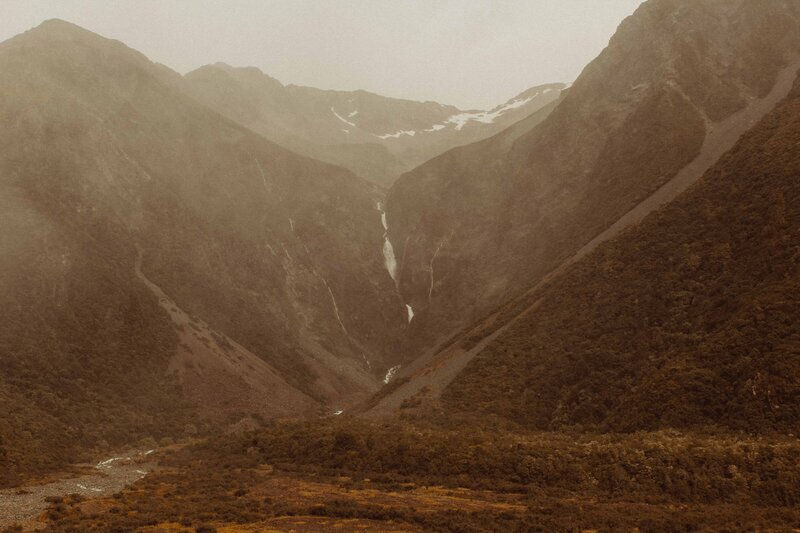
<point x="390" y="374"/>
<point x="338" y="412"/>
<point x="460" y="120"/>
<point x="487" y="117"/>
<point x="397" y="135"/>
<point x="346" y="131"/>
<point x="340" y="117"/>
<point x="354" y="113"/>
<point x="410" y="313"/>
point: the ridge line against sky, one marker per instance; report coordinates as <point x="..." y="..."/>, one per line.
<point x="474" y="54"/>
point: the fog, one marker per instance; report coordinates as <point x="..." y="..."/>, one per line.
<point x="470" y="53"/>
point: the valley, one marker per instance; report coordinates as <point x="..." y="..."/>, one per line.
<point x="235" y="304"/>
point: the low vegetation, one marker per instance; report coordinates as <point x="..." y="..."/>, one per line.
<point x="428" y="478"/>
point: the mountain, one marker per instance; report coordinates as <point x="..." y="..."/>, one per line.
<point x="480" y="224"/>
<point x="376" y="137"/>
<point x="586" y="321"/>
<point x="161" y="265"/>
<point x="677" y="316"/>
<point x="690" y="319"/>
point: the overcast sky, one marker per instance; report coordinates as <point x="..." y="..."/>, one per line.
<point x="469" y="53"/>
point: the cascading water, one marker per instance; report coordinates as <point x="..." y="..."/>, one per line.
<point x="390" y="374"/>
<point x="388" y="252"/>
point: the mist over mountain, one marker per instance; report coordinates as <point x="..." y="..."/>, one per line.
<point x="378" y="138"/>
<point x="120" y="192"/>
<point x="477" y="225"/>
<point x="233" y="303"/>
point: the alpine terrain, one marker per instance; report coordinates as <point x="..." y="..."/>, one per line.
<point x="376" y="137"/>
<point x="233" y="304"/>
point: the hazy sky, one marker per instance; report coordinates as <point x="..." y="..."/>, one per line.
<point x="470" y="53"/>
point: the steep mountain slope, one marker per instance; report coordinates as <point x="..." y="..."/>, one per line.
<point x="691" y="318"/>
<point x="156" y="257"/>
<point x="429" y="374"/>
<point x="477" y="225"/>
<point x="376" y="137"/>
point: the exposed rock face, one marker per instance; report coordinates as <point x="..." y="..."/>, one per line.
<point x="376" y="137"/>
<point x="478" y="224"/>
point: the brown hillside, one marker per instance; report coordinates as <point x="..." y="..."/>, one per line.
<point x="690" y="319"/>
<point x="270" y="261"/>
<point x="477" y="230"/>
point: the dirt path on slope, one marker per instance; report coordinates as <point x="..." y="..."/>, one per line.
<point x="24" y="505"/>
<point x="429" y="377"/>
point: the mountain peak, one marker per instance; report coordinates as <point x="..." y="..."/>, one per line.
<point x="69" y="41"/>
<point x="248" y="74"/>
<point x="60" y="28"/>
<point x="58" y="23"/>
<point x="60" y="31"/>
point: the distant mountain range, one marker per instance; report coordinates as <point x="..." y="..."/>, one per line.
<point x="376" y="137"/>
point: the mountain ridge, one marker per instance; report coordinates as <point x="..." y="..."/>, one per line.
<point x="376" y="137"/>
<point x="436" y="370"/>
<point x="502" y="219"/>
<point x="261" y="252"/>
<point x="716" y="272"/>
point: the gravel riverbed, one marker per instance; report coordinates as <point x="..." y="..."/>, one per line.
<point x="24" y="505"/>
